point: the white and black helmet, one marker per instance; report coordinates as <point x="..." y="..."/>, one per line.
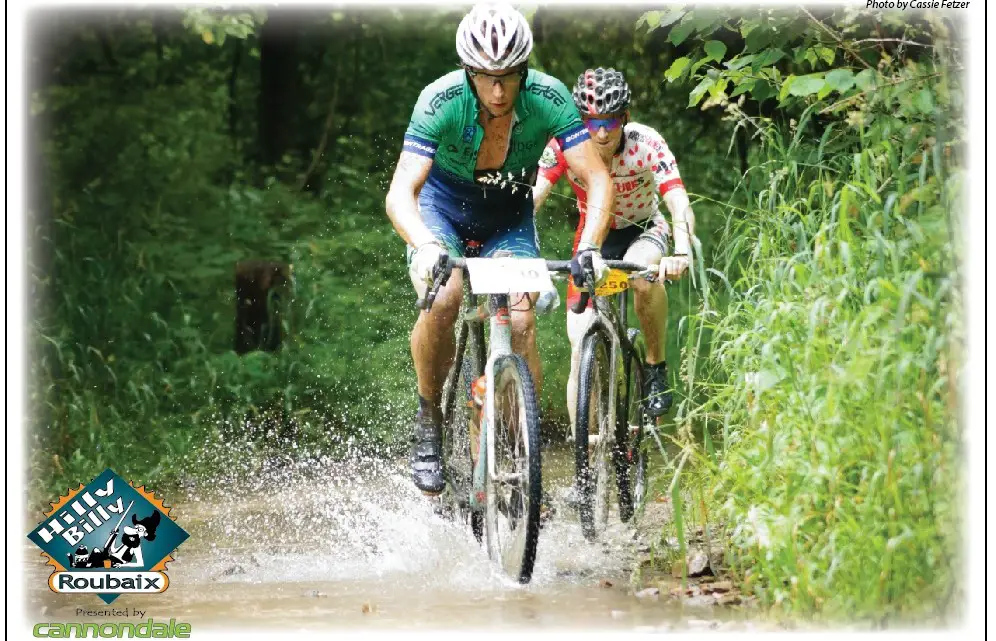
<point x="494" y="36"/>
<point x="601" y="91"/>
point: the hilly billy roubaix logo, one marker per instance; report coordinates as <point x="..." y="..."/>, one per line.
<point x="108" y="538"/>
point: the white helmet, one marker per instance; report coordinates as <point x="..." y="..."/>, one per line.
<point x="494" y="37"/>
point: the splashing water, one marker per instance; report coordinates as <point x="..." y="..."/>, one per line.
<point x="363" y="519"/>
<point x="352" y="543"/>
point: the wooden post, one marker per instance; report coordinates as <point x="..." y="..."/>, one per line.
<point x="262" y="293"/>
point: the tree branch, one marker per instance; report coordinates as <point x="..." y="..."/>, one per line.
<point x="323" y="142"/>
<point x="899" y="40"/>
<point x="838" y="39"/>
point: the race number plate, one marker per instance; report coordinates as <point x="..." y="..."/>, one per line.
<point x="616" y="282"/>
<point x="508" y="275"/>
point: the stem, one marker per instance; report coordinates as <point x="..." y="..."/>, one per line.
<point x="899" y="40"/>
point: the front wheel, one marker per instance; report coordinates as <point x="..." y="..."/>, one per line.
<point x="594" y="435"/>
<point x="513" y="483"/>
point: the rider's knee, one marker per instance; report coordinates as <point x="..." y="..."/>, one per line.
<point x="446" y="306"/>
<point x="644" y="287"/>
<point x="645" y="252"/>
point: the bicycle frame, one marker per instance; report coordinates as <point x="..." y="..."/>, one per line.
<point x="609" y="317"/>
<point x="471" y="324"/>
<point x="500" y="345"/>
<point x="470" y="333"/>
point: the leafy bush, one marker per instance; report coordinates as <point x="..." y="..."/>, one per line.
<point x="833" y="310"/>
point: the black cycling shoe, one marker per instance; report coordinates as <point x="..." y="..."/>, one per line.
<point x="657" y="397"/>
<point x="427" y="457"/>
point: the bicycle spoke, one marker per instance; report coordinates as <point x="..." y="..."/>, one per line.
<point x="511" y="533"/>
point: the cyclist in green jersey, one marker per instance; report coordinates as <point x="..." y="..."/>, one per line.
<point x="465" y="177"/>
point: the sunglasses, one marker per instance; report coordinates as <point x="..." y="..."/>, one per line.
<point x="610" y="124"/>
<point x="504" y="79"/>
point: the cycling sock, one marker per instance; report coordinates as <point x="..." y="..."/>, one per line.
<point x="429" y="409"/>
<point x="658" y="368"/>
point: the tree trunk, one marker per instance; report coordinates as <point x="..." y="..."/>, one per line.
<point x="279" y="104"/>
<point x="262" y="293"/>
<point x="233" y="77"/>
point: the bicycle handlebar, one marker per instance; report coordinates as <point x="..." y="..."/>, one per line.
<point x="556" y="266"/>
<point x="565" y="265"/>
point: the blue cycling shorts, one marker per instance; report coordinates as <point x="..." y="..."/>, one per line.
<point x="498" y="219"/>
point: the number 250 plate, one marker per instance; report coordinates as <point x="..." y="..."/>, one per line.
<point x="508" y="275"/>
<point x="616" y="282"/>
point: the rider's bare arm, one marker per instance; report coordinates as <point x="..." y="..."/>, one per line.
<point x="551" y="169"/>
<point x="541" y="190"/>
<point x="683" y="220"/>
<point x="584" y="161"/>
<point x="402" y="198"/>
<point x="672" y="192"/>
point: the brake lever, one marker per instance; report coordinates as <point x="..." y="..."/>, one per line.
<point x="650" y="274"/>
<point x="440" y="276"/>
<point x="586" y="292"/>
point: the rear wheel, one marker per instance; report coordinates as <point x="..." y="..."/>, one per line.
<point x="594" y="436"/>
<point x="631" y="454"/>
<point x="456" y="441"/>
<point x="456" y="431"/>
<point x="513" y="483"/>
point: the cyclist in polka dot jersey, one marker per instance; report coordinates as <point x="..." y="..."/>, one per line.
<point x="643" y="169"/>
<point x="644" y="173"/>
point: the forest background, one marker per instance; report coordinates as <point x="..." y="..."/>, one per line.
<point x="817" y="344"/>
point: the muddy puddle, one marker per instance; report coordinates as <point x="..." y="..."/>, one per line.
<point x="354" y="545"/>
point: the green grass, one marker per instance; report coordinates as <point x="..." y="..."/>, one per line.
<point x="830" y="381"/>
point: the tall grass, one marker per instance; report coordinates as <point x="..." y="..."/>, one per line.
<point x="831" y="377"/>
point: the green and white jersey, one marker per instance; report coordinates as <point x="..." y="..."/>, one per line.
<point x="444" y="125"/>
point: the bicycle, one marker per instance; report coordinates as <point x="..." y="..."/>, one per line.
<point x="610" y="420"/>
<point x="501" y="492"/>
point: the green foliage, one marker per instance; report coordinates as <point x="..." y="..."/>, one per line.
<point x="832" y="325"/>
<point x="799" y="58"/>
<point x="215" y="26"/>
<point x="839" y="470"/>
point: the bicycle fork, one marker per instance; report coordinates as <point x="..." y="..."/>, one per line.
<point x="613" y="378"/>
